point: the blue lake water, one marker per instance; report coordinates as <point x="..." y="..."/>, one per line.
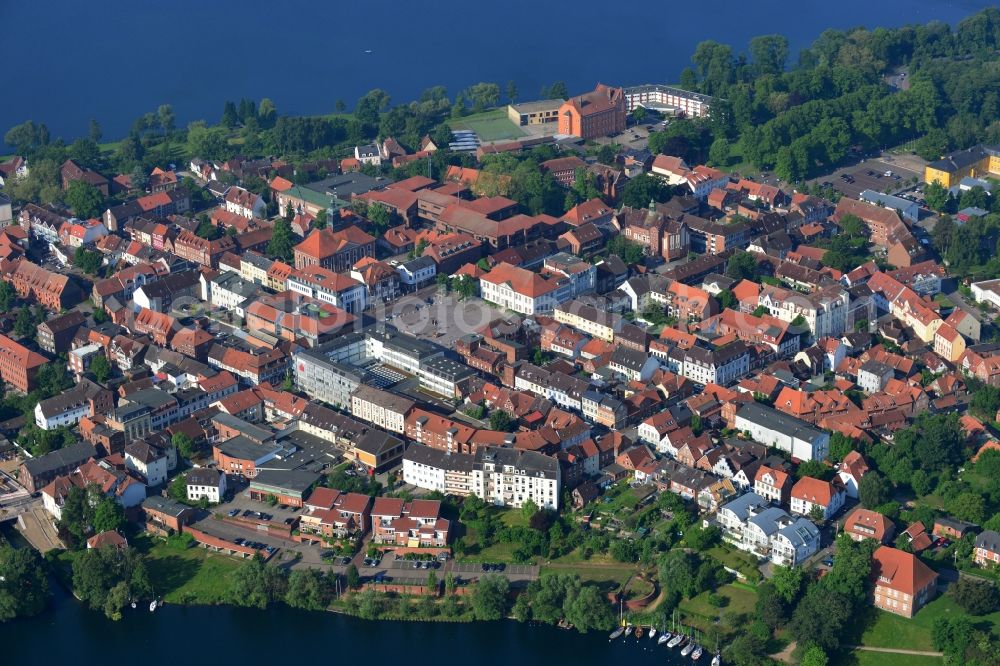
<point x="113" y="60"/>
<point x="71" y="634"/>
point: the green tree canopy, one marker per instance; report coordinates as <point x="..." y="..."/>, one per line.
<point x="24" y="586"/>
<point x="489" y="597"/>
<point x="107" y="578"/>
<point x="84" y="199"/>
<point x="282" y="244"/>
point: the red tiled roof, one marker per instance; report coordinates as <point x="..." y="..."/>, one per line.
<point x="21" y="355"/>
<point x="901" y="571"/>
<point x="323" y="243"/>
<point x="815" y="491"/>
<point x="522" y="281"/>
<point x="872" y="520"/>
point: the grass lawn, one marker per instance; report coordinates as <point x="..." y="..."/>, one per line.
<point x="193" y="575"/>
<point x="625" y="501"/>
<point x="489" y="125"/>
<point x="513" y="518"/>
<point x="892" y="631"/>
<point x="943" y="301"/>
<point x="699" y="612"/>
<point x="609" y="577"/>
<point x="864" y="658"/>
<point x="575" y="556"/>
<point x="498" y="552"/>
<point x="735" y="559"/>
<point x="737" y="164"/>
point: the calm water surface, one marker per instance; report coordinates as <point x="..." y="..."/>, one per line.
<point x="113" y="60"/>
<point x="71" y="634"/>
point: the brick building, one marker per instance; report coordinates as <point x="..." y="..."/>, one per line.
<point x="19" y="365"/>
<point x="594" y="114"/>
<point x="335" y="250"/>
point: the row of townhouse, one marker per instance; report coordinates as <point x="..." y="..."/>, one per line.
<point x="750" y="523"/>
<point x="414" y="524"/>
<point x="565" y="390"/>
<point x="721" y="365"/>
<point x="824" y="311"/>
<point x="498" y="475"/>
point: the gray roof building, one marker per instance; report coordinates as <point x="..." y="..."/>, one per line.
<point x="284" y="481"/>
<point x="801" y="532"/>
<point x="69" y="456"/>
<point x="528" y="463"/>
<point x="743" y="505"/>
<point x="439" y="459"/>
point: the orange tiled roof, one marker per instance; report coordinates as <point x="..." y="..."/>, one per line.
<point x="901" y="571"/>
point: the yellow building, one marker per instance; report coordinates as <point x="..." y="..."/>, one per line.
<point x="534" y="113"/>
<point x="588" y="319"/>
<point x="971" y="163"/>
<point x="948" y="343"/>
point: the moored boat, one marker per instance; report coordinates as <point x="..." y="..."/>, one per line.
<point x="652" y="632"/>
<point x="152" y="605"/>
<point x="664" y="637"/>
<point x="628" y="630"/>
<point x="616" y="633"/>
<point x="675" y="641"/>
<point x="696" y="655"/>
<point x="717" y="660"/>
<point x="638" y="631"/>
<point x="687" y="649"/>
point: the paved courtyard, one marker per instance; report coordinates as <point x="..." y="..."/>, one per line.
<point x="444" y="320"/>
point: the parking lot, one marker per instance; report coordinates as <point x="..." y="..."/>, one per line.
<point x="515" y="570"/>
<point x="871" y="175"/>
<point x="242" y="503"/>
<point x="635" y="136"/>
<point x="390" y="568"/>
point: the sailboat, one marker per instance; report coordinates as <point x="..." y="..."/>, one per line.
<point x="687" y="649"/>
<point x="152" y="605"/>
<point x="652" y="631"/>
<point x="621" y="623"/>
<point x="679" y="636"/>
<point x="696" y="655"/>
<point x="664" y="637"/>
<point x="628" y="629"/>
<point x="717" y="660"/>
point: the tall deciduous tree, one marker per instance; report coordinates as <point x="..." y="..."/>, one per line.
<point x="489" y="597"/>
<point x="85" y="199"/>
